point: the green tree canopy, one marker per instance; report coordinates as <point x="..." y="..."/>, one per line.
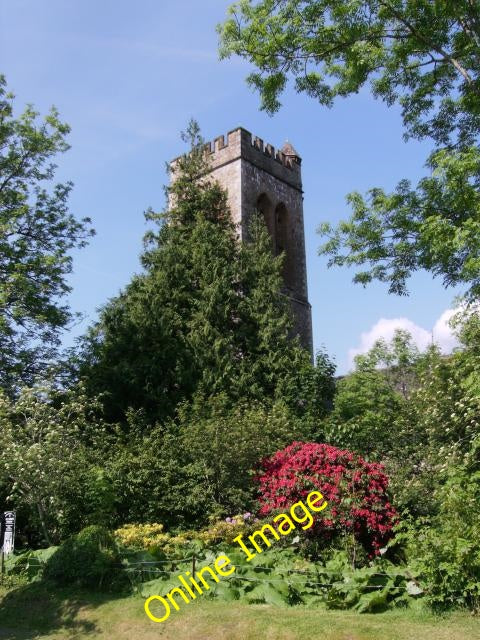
<point x="50" y="440"/>
<point x="417" y="412"/>
<point x="420" y="54"/>
<point x="198" y="465"/>
<point x="36" y="234"/>
<point x="370" y="404"/>
<point x="435" y="226"/>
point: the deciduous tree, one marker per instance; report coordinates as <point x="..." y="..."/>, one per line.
<point x="50" y="441"/>
<point x="37" y="232"/>
<point x="423" y="55"/>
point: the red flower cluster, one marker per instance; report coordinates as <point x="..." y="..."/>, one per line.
<point x="356" y="490"/>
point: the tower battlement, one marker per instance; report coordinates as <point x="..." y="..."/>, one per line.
<point x="218" y="145"/>
<point x="240" y="143"/>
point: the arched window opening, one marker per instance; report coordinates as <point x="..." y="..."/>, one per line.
<point x="265" y="208"/>
<point x="283" y="244"/>
<point x="281" y="228"/>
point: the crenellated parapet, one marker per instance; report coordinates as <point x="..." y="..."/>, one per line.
<point x="284" y="163"/>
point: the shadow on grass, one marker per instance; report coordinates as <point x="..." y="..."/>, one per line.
<point x="33" y="610"/>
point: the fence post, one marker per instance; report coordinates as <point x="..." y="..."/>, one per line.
<point x="193" y="565"/>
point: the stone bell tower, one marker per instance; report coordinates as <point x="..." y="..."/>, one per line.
<point x="257" y="178"/>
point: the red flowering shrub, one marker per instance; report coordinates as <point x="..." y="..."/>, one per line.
<point x="356" y="491"/>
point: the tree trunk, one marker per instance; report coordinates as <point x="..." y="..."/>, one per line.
<point x="41" y="515"/>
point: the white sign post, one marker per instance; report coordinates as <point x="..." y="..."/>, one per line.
<point x="7" y="535"/>
<point x="8" y="526"/>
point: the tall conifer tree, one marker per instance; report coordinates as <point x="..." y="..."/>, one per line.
<point x="206" y="317"/>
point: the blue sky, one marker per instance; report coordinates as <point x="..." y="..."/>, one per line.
<point x="128" y="76"/>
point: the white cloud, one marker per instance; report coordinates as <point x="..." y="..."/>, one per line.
<point x="441" y="334"/>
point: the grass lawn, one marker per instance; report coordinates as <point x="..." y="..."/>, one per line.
<point x="33" y="612"/>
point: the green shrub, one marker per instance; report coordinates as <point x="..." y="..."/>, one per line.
<point x="447" y="549"/>
<point x="88" y="559"/>
<point x="450" y="569"/>
<point x="28" y="564"/>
